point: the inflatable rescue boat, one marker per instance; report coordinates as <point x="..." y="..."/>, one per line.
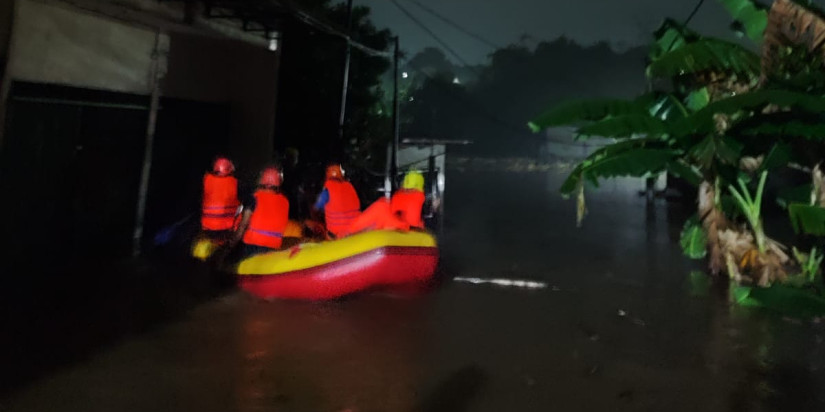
<point x="335" y="268"/>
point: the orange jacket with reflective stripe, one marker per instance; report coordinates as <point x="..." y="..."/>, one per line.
<point x="269" y="219"/>
<point x="220" y="202"/>
<point x="343" y="206"/>
<point x="407" y="204"/>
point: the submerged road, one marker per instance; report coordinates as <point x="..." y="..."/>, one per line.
<point x="611" y="323"/>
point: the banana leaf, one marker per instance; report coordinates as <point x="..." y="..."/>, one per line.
<point x="693" y="240"/>
<point x="697" y="99"/>
<point x="702" y="121"/>
<point x="751" y="16"/>
<point x="667" y="107"/>
<point x="705" y="54"/>
<point x="770" y="126"/>
<point x="808" y="78"/>
<point x="670" y="36"/>
<point x="634" y="157"/>
<point x="682" y="170"/>
<point x="807" y="219"/>
<point x="800" y="303"/>
<point x="625" y="126"/>
<point x="578" y="111"/>
<point x="778" y="156"/>
<point x="788" y="129"/>
<point x="714" y="147"/>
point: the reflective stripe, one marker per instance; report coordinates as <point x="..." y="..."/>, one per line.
<point x="219" y="215"/>
<point x="220" y="207"/>
<point x="267" y="233"/>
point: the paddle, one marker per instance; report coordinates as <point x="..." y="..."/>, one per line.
<point x="165" y="235"/>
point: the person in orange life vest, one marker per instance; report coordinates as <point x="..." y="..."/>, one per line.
<point x="220" y="198"/>
<point x="339" y="201"/>
<point x="406" y="203"/>
<point x="267" y="217"/>
<point x="378" y="216"/>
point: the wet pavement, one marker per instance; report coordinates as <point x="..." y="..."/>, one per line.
<point x="617" y="327"/>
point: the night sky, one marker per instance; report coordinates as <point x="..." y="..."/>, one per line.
<point x="622" y="23"/>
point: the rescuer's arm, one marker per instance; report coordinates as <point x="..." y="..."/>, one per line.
<point x="246" y="214"/>
<point x="238" y="235"/>
<point x="322" y="201"/>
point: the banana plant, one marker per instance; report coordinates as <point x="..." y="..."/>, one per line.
<point x="809" y="265"/>
<point x="719" y="111"/>
<point x="751" y="207"/>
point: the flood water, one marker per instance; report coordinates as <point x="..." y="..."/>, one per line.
<point x="618" y="327"/>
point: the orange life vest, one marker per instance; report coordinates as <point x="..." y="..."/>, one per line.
<point x="268" y="221"/>
<point x="220" y="202"/>
<point x="407" y="204"/>
<point x="343" y="206"/>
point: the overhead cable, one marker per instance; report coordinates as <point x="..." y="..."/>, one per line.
<point x="456" y="25"/>
<point x="430" y="32"/>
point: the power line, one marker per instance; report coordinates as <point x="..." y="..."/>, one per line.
<point x="687" y="21"/>
<point x="456" y="25"/>
<point x="430" y="32"/>
<point x="693" y="13"/>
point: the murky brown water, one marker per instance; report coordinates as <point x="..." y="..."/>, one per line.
<point x="616" y="329"/>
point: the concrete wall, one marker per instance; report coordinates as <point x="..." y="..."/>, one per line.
<point x="63" y="42"/>
<point x="6" y="19"/>
<point x="54" y="44"/>
<point x="6" y="27"/>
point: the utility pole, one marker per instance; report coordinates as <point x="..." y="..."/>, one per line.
<point x="344" y="88"/>
<point x="159" y="63"/>
<point x="395" y="115"/>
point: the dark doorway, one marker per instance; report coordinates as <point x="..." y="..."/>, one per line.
<point x="69" y="170"/>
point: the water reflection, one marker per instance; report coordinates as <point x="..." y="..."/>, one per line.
<point x="360" y="355"/>
<point x="617" y="328"/>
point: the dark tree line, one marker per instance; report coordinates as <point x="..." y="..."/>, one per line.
<point x="491" y="104"/>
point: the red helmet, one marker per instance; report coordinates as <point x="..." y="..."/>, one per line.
<point x="223" y="167"/>
<point x="271" y="176"/>
<point x="334" y="171"/>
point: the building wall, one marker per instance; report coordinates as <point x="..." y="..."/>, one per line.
<point x="6" y="18"/>
<point x="75" y="69"/>
<point x="6" y="27"/>
<point x="54" y="44"/>
<point x="57" y="43"/>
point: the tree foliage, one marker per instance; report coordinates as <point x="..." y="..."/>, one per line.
<point x="310" y="80"/>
